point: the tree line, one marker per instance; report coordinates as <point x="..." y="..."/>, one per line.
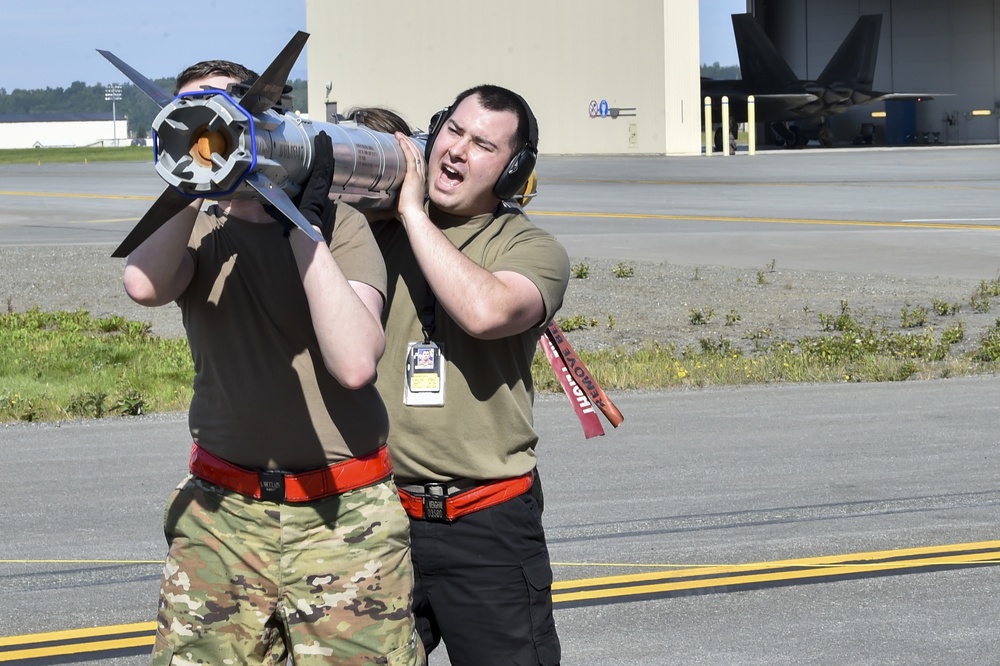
<point x="140" y="110"/>
<point x="717" y="71"/>
<point x="134" y="105"/>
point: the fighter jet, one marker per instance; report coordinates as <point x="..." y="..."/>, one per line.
<point x="243" y="142"/>
<point x="780" y="96"/>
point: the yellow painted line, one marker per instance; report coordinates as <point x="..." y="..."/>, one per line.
<point x="105" y="220"/>
<point x="689" y="577"/>
<point x="718" y="576"/>
<point x="70" y="634"/>
<point x="77" y="648"/>
<point x="812" y="572"/>
<point x="766" y="220"/>
<point x="987" y="183"/>
<point x="716" y="569"/>
<point x="75" y="195"/>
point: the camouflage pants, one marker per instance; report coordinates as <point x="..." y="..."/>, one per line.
<point x="254" y="582"/>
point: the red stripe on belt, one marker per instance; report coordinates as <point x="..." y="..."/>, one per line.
<point x="477" y="498"/>
<point x="276" y="486"/>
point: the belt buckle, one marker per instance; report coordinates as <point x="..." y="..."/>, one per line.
<point x="434" y="498"/>
<point x="272" y="486"/>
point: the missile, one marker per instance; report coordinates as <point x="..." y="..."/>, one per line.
<point x="245" y="143"/>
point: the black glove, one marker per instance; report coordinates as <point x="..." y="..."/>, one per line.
<point x="314" y="201"/>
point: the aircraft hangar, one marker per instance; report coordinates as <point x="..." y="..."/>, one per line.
<point x="623" y="77"/>
<point x="925" y="46"/>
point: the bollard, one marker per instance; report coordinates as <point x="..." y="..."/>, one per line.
<point x="708" y="126"/>
<point x="725" y="125"/>
<point x="751" y="126"/>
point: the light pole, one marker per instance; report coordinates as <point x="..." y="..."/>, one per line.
<point x="113" y="93"/>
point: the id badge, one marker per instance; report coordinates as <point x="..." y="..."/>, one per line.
<point x="424" y="385"/>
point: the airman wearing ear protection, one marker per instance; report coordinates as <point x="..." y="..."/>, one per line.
<point x="472" y="284"/>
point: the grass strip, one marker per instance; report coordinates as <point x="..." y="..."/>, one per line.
<point x="76" y="155"/>
<point x="69" y="365"/>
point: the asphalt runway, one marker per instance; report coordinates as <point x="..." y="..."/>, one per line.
<point x="821" y="524"/>
<point x="909" y="212"/>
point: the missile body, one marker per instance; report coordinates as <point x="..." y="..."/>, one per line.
<point x="242" y="143"/>
<point x="206" y="145"/>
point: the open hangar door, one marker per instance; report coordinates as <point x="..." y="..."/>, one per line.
<point x="951" y="48"/>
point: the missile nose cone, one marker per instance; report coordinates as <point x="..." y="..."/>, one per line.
<point x="209" y="142"/>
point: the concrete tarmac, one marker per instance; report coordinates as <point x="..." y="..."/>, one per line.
<point x="691" y="480"/>
<point x="700" y="482"/>
<point x="917" y="211"/>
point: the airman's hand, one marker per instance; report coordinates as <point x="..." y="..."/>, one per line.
<point x="414" y="189"/>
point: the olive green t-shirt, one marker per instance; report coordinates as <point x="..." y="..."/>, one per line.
<point x="485" y="428"/>
<point x="262" y="395"/>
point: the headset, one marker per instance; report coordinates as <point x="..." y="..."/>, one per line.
<point x="522" y="164"/>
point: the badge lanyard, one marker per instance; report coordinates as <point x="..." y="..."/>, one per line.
<point x="428" y="314"/>
<point x="424" y="384"/>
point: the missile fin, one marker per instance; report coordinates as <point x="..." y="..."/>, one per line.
<point x="276" y="197"/>
<point x="153" y="91"/>
<point x="169" y="204"/>
<point x="267" y="90"/>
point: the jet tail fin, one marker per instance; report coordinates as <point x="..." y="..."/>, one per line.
<point x="761" y="66"/>
<point x="854" y="61"/>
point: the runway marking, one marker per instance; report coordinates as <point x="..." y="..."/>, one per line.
<point x="104" y="221"/>
<point x="81" y="561"/>
<point x="715" y="579"/>
<point x="955" y="219"/>
<point x="124" y="639"/>
<point x="925" y="223"/>
<point x="987" y="183"/>
<point x="76" y="195"/>
<point x="113" y="641"/>
<point x="909" y="224"/>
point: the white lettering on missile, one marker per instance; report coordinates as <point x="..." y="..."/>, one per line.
<point x="290" y="150"/>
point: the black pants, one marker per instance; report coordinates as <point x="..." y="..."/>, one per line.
<point x="483" y="584"/>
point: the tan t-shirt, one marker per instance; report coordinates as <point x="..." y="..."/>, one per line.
<point x="485" y="428"/>
<point x="262" y="395"/>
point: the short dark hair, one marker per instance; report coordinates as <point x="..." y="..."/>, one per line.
<point x="207" y="68"/>
<point x="379" y="119"/>
<point x="497" y="98"/>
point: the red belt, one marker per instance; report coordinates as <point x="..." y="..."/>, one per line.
<point x="276" y="486"/>
<point x="433" y="504"/>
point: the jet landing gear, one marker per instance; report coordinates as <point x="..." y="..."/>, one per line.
<point x="789" y="136"/>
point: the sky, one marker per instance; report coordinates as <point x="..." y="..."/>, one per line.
<point x="716" y="34"/>
<point x="52" y="43"/>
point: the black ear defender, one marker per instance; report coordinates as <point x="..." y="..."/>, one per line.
<point x="522" y="164"/>
<point x="434" y="128"/>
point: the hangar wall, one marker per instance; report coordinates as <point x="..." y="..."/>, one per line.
<point x="934" y="46"/>
<point x="565" y="57"/>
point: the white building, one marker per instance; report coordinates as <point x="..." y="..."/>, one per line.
<point x="51" y="130"/>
